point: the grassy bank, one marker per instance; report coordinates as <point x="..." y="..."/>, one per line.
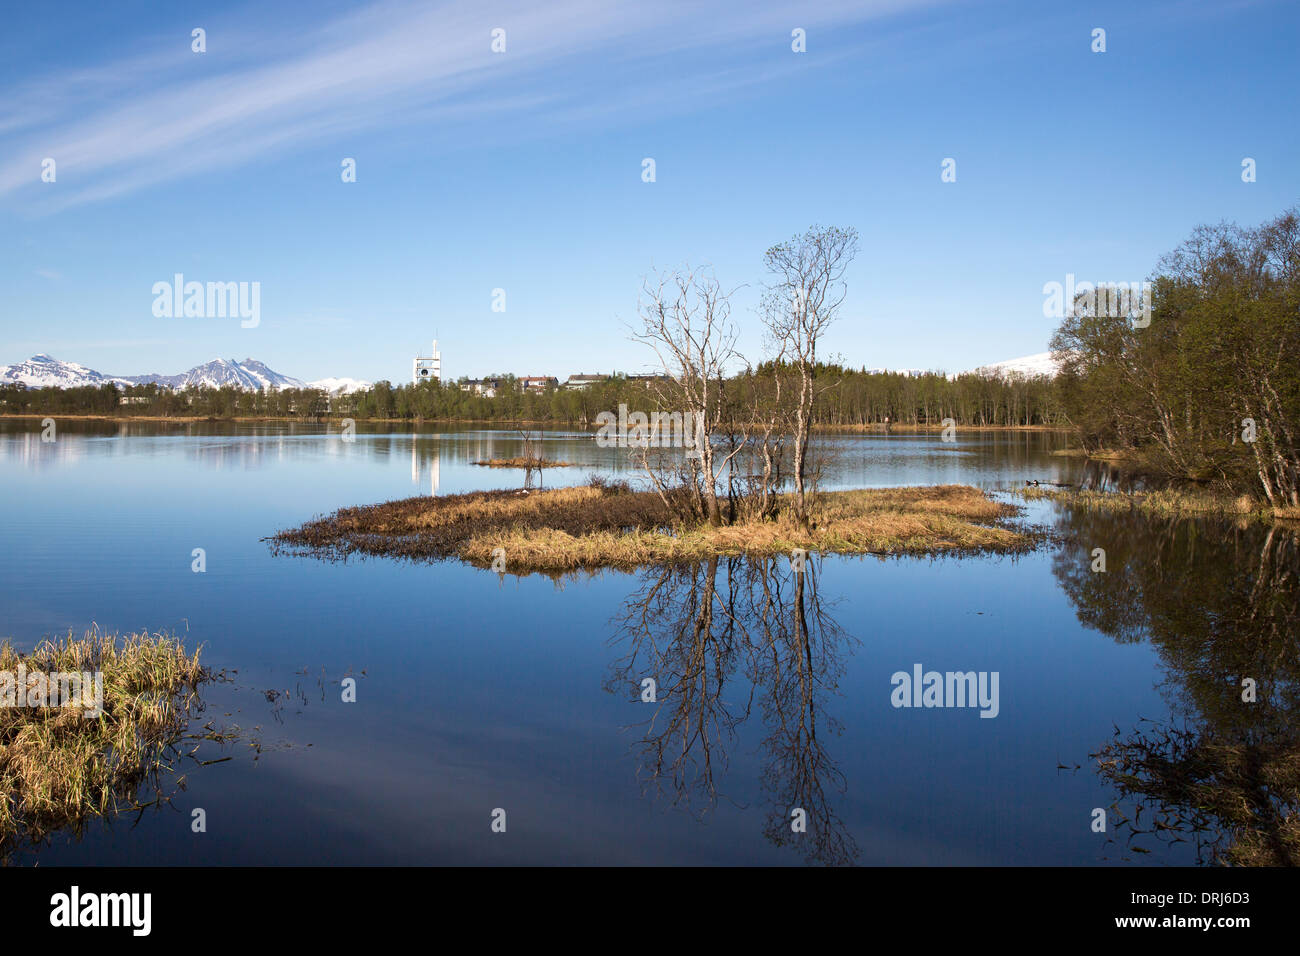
<point x="62" y="765"/>
<point x="597" y="526"/>
<point x="1173" y="502"/>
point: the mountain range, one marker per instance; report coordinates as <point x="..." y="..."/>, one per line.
<point x="43" y="371"/>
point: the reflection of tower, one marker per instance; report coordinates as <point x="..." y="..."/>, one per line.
<point x="433" y="466"/>
<point x="427" y="369"/>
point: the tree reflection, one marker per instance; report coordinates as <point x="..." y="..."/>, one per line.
<point x="1219" y="601"/>
<point x="721" y="639"/>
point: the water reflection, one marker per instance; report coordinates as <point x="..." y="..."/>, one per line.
<point x="992" y="460"/>
<point x="420" y="466"/>
<point x="31" y="451"/>
<point x="753" y="683"/>
<point x="1220" y="603"/>
<point x="1104" y="476"/>
<point x="721" y="640"/>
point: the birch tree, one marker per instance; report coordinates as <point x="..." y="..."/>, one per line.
<point x="800" y="303"/>
<point x="686" y="320"/>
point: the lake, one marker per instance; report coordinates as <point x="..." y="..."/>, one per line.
<point x="774" y="691"/>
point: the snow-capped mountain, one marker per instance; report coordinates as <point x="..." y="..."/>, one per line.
<point x="340" y="386"/>
<point x="1040" y="363"/>
<point x="249" y="374"/>
<point x="42" y="371"/>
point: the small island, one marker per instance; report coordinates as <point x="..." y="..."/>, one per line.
<point x="528" y="464"/>
<point x="604" y="525"/>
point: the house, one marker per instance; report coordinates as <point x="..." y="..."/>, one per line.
<point x="487" y="387"/>
<point x="538" y="383"/>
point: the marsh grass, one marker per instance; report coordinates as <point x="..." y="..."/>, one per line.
<point x="59" y="767"/>
<point x="1166" y="502"/>
<point x="598" y="525"/>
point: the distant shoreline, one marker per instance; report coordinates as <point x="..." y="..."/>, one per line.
<point x="877" y="427"/>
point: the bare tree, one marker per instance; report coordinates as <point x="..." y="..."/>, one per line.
<point x="533" y="461"/>
<point x="685" y="318"/>
<point x="798" y="306"/>
<point x="761" y="421"/>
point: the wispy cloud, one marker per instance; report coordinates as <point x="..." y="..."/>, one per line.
<point x="119" y="127"/>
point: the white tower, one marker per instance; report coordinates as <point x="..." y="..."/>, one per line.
<point x="427" y="369"/>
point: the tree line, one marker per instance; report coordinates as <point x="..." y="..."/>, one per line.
<point x="851" y="397"/>
<point x="1207" y="386"/>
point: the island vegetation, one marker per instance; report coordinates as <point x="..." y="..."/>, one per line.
<point x="525" y="463"/>
<point x="743" y="478"/>
<point x="610" y="525"/>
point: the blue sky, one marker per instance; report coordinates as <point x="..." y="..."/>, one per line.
<point x="522" y="170"/>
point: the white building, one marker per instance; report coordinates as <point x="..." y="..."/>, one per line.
<point x="427" y="369"/>
<point x="487" y="387"/>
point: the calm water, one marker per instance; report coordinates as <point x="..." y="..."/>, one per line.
<point x="481" y="692"/>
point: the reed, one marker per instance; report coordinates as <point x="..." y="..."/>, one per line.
<point x="60" y="766"/>
<point x="1166" y="502"/>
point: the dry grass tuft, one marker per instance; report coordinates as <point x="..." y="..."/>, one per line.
<point x="60" y="766"/>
